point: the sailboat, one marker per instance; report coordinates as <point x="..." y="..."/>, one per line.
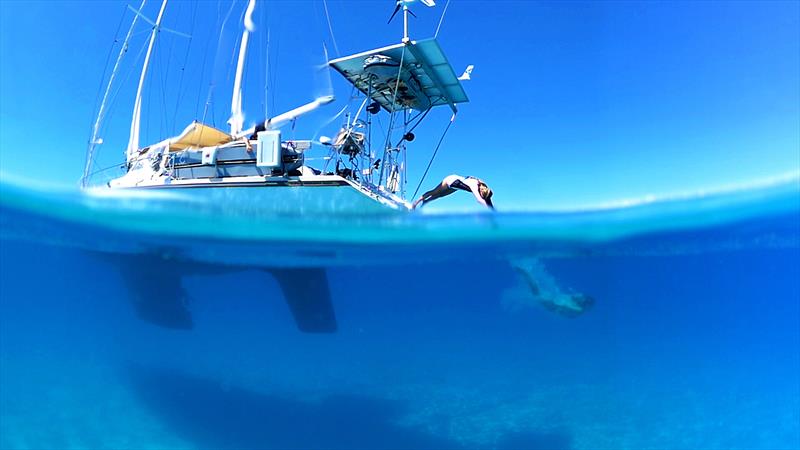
<point x="366" y="170"/>
<point x="364" y="174"/>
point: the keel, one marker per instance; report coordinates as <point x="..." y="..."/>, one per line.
<point x="307" y="293"/>
<point x="156" y="293"/>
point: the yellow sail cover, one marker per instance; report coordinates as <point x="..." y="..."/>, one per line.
<point x="198" y="135"/>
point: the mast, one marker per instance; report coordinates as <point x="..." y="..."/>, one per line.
<point x="237" y="118"/>
<point x="406" y="39"/>
<point x="133" y="143"/>
<point x="95" y="140"/>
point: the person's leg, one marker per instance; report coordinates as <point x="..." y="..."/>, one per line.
<point x="439" y="191"/>
<point x="436" y="192"/>
<point x="546" y="289"/>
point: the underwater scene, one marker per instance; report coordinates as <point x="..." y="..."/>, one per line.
<point x="672" y="324"/>
<point x="246" y="225"/>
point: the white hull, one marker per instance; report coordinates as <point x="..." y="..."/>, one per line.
<point x="316" y="194"/>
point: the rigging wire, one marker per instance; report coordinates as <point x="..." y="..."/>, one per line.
<point x="435" y="151"/>
<point x="266" y="77"/>
<point x="393" y="113"/>
<point x="116" y="93"/>
<point x="118" y="165"/>
<point x="203" y="67"/>
<point x="108" y="59"/>
<point x="441" y="19"/>
<point x="274" y="74"/>
<point x="148" y="88"/>
<point x="101" y="118"/>
<point x="421" y="118"/>
<point x="162" y="124"/>
<point x="329" y="121"/>
<point x="330" y="27"/>
<point x="263" y="44"/>
<point x="212" y="83"/>
<point x="183" y="70"/>
<point x="93" y="140"/>
<point x="164" y="78"/>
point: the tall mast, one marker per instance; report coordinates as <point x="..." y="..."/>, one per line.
<point x="95" y="140"/>
<point x="237" y="118"/>
<point x="133" y="143"/>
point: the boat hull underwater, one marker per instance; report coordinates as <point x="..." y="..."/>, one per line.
<point x="158" y="295"/>
<point x="158" y="239"/>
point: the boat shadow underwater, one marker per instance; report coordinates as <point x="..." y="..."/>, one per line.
<point x="211" y="414"/>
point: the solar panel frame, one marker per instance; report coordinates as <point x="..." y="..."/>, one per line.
<point x="423" y="61"/>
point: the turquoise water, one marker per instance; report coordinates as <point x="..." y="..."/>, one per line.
<point x="691" y="340"/>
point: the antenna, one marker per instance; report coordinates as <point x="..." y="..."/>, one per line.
<point x="406" y="11"/>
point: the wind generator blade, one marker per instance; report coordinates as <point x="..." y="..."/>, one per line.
<point x="323" y="84"/>
<point x="396" y="9"/>
<point x="309" y="298"/>
<point x="467" y="73"/>
<point x="326" y="123"/>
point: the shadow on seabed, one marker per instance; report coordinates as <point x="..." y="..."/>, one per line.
<point x="212" y="415"/>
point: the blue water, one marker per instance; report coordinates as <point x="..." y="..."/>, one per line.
<point x="693" y="340"/>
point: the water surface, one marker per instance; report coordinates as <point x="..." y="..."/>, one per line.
<point x="692" y="340"/>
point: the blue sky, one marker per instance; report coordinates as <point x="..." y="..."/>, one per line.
<point x="572" y="103"/>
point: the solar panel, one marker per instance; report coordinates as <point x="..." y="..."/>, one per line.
<point x="415" y="76"/>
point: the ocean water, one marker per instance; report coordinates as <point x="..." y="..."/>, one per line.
<point x="692" y="338"/>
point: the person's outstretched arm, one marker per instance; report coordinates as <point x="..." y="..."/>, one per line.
<point x="474" y="187"/>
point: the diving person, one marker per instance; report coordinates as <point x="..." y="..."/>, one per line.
<point x="539" y="285"/>
<point x="451" y="183"/>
